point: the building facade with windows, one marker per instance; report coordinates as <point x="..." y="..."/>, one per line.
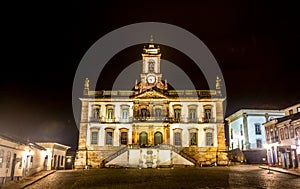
<point x="247" y="133"/>
<point x="151" y="116"/>
<point x="283" y="139"/>
<point x="19" y="158"/>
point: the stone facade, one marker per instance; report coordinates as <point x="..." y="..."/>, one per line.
<point x="149" y="116"/>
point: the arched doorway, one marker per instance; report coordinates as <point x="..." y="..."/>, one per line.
<point x="143" y="138"/>
<point x="158" y="138"/>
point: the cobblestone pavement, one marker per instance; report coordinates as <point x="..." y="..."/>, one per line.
<point x="243" y="176"/>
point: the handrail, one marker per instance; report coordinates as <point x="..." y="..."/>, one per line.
<point x="114" y="155"/>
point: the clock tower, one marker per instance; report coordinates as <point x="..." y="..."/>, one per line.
<point x="151" y="76"/>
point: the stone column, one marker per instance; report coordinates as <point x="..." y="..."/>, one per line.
<point x="245" y="124"/>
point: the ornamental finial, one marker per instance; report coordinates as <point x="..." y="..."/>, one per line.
<point x="151" y="39"/>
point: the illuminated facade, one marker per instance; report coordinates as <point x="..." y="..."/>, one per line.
<point x="246" y="132"/>
<point x="20" y="158"/>
<point x="137" y="127"/>
<point x="283" y="139"/>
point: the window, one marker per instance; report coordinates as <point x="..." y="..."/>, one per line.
<point x="96" y="111"/>
<point x="286" y="133"/>
<point x="241" y="129"/>
<point x="297" y="132"/>
<point x="110" y="112"/>
<point x="1" y="158"/>
<point x="124" y="138"/>
<point x="94" y="137"/>
<point x="290" y="111"/>
<point x="292" y="134"/>
<point x="158" y="138"/>
<point x="8" y="159"/>
<point x="125" y="113"/>
<point x="281" y="134"/>
<point x="177" y="138"/>
<point x="242" y="144"/>
<point x="298" y="109"/>
<point x="207" y="114"/>
<point x="258" y="143"/>
<point x="177" y="114"/>
<point x="192" y="115"/>
<point x="157" y="112"/>
<point x="267" y="134"/>
<point x="193" y="139"/>
<point x="209" y="141"/>
<point x="257" y="129"/>
<point x="231" y="133"/>
<point x="144" y="113"/>
<point x="151" y="65"/>
<point x="109" y="136"/>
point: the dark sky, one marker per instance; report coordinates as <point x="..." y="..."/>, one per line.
<point x="255" y="43"/>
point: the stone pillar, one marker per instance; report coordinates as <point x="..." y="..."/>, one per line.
<point x="81" y="160"/>
<point x="245" y="124"/>
<point x="220" y="126"/>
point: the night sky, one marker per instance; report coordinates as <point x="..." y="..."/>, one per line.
<point x="255" y="43"/>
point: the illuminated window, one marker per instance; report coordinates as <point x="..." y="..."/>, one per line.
<point x="8" y="159"/>
<point x="157" y="112"/>
<point x="177" y="138"/>
<point x="144" y="113"/>
<point x="192" y="114"/>
<point x="124" y="138"/>
<point x="1" y="158"/>
<point x="297" y="132"/>
<point x="267" y="134"/>
<point x="207" y="114"/>
<point x="241" y="129"/>
<point x="110" y="112"/>
<point x="286" y="133"/>
<point x="151" y="65"/>
<point x="257" y="129"/>
<point x="177" y="114"/>
<point x="281" y="134"/>
<point x="125" y="113"/>
<point x="96" y="112"/>
<point x="158" y="138"/>
<point x="258" y="143"/>
<point x="94" y="137"/>
<point x="242" y="144"/>
<point x="209" y="139"/>
<point x="193" y="138"/>
<point x="291" y="131"/>
<point x="298" y="109"/>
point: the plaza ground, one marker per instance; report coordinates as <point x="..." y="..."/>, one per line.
<point x="241" y="176"/>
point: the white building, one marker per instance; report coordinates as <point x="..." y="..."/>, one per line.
<point x="19" y="158"/>
<point x="283" y="139"/>
<point x="247" y="133"/>
<point x="151" y="115"/>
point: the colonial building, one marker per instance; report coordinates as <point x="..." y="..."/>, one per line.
<point x="151" y="125"/>
<point x="19" y="158"/>
<point x="283" y="139"/>
<point x="247" y="133"/>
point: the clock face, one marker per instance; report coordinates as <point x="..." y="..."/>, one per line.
<point x="151" y="79"/>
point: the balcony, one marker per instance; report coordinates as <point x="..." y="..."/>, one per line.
<point x="208" y="120"/>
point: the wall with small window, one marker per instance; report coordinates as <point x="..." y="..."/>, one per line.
<point x="255" y="130"/>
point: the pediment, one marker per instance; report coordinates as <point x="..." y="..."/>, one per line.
<point x="151" y="94"/>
